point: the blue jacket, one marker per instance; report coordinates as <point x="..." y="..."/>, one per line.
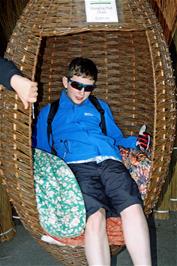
<point x="77" y="134"/>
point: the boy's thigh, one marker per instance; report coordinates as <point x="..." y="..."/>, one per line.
<point x="87" y="175"/>
<point x="89" y="180"/>
<point x="120" y="188"/>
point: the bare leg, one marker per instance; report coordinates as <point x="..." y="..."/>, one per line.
<point x="136" y="235"/>
<point x="96" y="241"/>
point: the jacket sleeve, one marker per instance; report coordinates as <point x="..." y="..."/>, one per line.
<point x="114" y="132"/>
<point x="40" y="137"/>
<point x="7" y="70"/>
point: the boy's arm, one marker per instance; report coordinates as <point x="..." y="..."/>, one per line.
<point x="114" y="131"/>
<point x="40" y="137"/>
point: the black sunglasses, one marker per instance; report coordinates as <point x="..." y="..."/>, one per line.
<point x="79" y="86"/>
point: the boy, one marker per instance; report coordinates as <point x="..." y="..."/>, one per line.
<point x="95" y="159"/>
<point x="12" y="78"/>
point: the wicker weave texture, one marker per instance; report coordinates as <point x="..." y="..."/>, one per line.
<point x="135" y="78"/>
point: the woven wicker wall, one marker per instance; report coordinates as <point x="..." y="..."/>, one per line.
<point x="166" y="12"/>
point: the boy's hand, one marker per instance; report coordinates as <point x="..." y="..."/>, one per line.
<point x="25" y="88"/>
<point x="144" y="139"/>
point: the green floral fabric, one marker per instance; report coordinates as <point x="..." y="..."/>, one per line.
<point x="59" y="199"/>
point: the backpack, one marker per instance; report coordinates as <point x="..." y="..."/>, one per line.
<point x="54" y="108"/>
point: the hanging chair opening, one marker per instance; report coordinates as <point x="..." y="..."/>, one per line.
<point x="121" y="79"/>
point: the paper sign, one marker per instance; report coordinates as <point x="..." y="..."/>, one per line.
<point x="101" y="11"/>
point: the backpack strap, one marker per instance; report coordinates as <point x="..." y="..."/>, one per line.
<point x="98" y="106"/>
<point x="52" y="112"/>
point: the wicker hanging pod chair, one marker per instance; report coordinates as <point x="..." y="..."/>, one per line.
<point x="135" y="78"/>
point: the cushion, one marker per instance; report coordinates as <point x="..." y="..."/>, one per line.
<point x="59" y="199"/>
<point x="139" y="165"/>
<point x="113" y="228"/>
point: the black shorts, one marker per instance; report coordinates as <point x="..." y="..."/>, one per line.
<point x="106" y="185"/>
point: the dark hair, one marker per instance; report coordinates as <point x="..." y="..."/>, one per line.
<point x="84" y="67"/>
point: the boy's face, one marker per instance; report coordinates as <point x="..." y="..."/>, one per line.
<point x="78" y="96"/>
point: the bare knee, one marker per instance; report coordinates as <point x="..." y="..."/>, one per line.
<point x="96" y="222"/>
<point x="132" y="211"/>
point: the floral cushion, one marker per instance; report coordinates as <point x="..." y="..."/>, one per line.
<point x="139" y="166"/>
<point x="59" y="199"/>
<point x="113" y="228"/>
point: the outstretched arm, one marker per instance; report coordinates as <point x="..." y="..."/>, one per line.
<point x="12" y="78"/>
<point x="114" y="131"/>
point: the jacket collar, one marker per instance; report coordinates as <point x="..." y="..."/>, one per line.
<point x="66" y="101"/>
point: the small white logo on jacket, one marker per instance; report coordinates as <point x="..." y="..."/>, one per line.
<point x="88" y="114"/>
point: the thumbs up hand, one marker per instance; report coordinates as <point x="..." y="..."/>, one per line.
<point x="144" y="139"/>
